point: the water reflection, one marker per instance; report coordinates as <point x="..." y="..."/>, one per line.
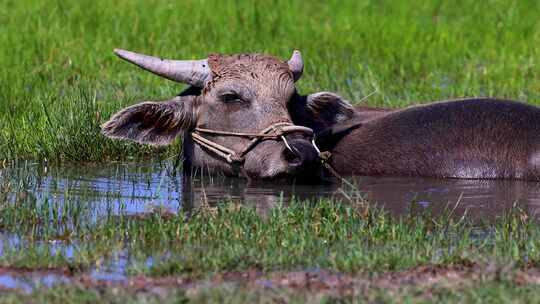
<point x="398" y="195"/>
<point x="139" y="187"/>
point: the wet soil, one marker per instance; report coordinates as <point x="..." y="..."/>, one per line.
<point x="313" y="281"/>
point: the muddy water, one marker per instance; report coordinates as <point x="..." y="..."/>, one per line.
<point x="133" y="188"/>
<point x="140" y="187"/>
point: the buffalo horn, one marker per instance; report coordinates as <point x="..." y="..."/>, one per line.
<point x="192" y="72"/>
<point x="296" y="65"/>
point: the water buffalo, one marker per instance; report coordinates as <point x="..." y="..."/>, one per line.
<point x="243" y="116"/>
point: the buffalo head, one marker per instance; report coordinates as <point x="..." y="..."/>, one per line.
<point x="237" y="94"/>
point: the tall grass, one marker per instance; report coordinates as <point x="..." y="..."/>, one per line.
<point x="59" y="79"/>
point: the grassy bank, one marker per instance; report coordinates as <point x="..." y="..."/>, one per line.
<point x="478" y="293"/>
<point x="305" y="252"/>
<point x="327" y="235"/>
<point x="59" y="79"/>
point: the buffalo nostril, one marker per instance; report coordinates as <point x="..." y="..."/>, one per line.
<point x="301" y="153"/>
<point x="293" y="157"/>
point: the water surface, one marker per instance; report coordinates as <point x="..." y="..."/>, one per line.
<point x="139" y="188"/>
<point x="133" y="188"/>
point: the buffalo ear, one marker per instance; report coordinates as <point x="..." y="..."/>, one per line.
<point x="155" y="123"/>
<point x="320" y="111"/>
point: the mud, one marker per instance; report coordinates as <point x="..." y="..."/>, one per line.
<point x="321" y="282"/>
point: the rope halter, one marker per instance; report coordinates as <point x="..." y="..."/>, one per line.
<point x="277" y="131"/>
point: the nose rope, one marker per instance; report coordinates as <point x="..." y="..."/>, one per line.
<point x="276" y="131"/>
<point x="324" y="158"/>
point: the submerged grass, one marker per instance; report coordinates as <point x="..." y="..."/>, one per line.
<point x="60" y="80"/>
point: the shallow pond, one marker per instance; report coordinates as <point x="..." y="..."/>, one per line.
<point x="133" y="188"/>
<point x="139" y="188"/>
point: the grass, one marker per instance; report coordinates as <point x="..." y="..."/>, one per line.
<point x="60" y="80"/>
<point x="328" y="235"/>
<point x="479" y="293"/>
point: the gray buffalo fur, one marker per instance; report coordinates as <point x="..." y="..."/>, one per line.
<point x="468" y="138"/>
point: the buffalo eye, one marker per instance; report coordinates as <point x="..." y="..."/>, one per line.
<point x="231" y="97"/>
